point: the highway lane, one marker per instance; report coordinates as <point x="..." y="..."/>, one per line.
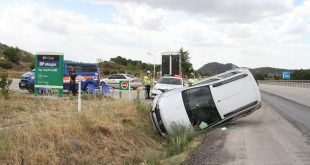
<point x="299" y="95"/>
<point x="278" y="133"/>
<point x="266" y="137"/>
<point x="297" y="114"/>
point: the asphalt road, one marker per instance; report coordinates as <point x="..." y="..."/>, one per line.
<point x="299" y="95"/>
<point x="278" y="133"/>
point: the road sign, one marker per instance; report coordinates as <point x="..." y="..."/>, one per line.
<point x="124" y="85"/>
<point x="49" y="71"/>
<point x="286" y="75"/>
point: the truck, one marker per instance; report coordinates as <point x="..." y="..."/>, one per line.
<point x="171" y="64"/>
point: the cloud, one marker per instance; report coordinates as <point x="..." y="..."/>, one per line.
<point x="280" y="39"/>
<point x="241" y="11"/>
<point x="139" y="15"/>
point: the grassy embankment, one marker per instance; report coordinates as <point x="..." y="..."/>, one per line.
<point x="50" y="131"/>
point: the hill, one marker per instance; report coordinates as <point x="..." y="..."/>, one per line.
<point x="122" y="65"/>
<point x="260" y="73"/>
<point x="23" y="62"/>
<point x="215" y="68"/>
<point x="268" y="71"/>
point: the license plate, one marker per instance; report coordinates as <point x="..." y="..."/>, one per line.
<point x="22" y="84"/>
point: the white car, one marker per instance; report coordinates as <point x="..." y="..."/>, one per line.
<point x="208" y="103"/>
<point x="113" y="80"/>
<point x="165" y="84"/>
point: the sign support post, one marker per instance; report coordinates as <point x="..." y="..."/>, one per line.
<point x="120" y="94"/>
<point x="129" y="90"/>
<point x="80" y="79"/>
<point x="124" y="85"/>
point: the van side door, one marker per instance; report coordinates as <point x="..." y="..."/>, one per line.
<point x="233" y="93"/>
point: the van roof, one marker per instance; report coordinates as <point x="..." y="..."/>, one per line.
<point x="222" y="76"/>
<point x="79" y="63"/>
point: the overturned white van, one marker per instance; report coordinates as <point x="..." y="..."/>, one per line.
<point x="208" y="103"/>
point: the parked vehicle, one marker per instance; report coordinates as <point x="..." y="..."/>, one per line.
<point x="27" y="81"/>
<point x="113" y="80"/>
<point x="165" y="84"/>
<point x="89" y="72"/>
<point x="208" y="103"/>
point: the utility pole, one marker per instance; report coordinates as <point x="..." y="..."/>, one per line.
<point x="154" y="74"/>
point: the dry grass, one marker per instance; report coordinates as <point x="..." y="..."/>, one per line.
<point x="105" y="132"/>
<point x="13" y="73"/>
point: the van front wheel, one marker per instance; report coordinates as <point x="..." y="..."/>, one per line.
<point x="30" y="88"/>
<point x="90" y="87"/>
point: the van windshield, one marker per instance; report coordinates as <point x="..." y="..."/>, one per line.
<point x="200" y="106"/>
<point x="171" y="81"/>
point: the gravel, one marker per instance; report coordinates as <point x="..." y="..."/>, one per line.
<point x="211" y="151"/>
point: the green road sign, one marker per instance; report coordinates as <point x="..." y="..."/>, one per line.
<point x="124" y="85"/>
<point x="49" y="69"/>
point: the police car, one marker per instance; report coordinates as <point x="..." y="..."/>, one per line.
<point x="165" y="84"/>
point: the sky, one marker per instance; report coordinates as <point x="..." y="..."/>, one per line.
<point x="248" y="33"/>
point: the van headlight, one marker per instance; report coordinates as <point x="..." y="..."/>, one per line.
<point x="32" y="77"/>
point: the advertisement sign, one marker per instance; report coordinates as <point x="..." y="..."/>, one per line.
<point x="49" y="69"/>
<point x="286" y="75"/>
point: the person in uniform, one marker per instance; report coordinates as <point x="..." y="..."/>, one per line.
<point x="72" y="74"/>
<point x="147" y="84"/>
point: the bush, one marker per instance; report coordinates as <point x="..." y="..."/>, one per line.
<point x="259" y="76"/>
<point x="4" y="85"/>
<point x="32" y="66"/>
<point x="12" y="54"/>
<point x="6" y="64"/>
<point x="178" y="141"/>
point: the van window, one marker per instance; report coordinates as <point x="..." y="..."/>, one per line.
<point x="130" y="76"/>
<point x="83" y="68"/>
<point x="121" y="77"/>
<point x="200" y="106"/>
<point x="113" y="76"/>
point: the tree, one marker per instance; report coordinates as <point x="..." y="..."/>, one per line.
<point x="5" y="85"/>
<point x="32" y="65"/>
<point x="5" y="64"/>
<point x="259" y="76"/>
<point x="12" y="54"/>
<point x="301" y="75"/>
<point x="119" y="60"/>
<point x="187" y="66"/>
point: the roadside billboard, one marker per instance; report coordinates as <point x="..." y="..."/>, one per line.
<point x="49" y="69"/>
<point x="171" y="64"/>
<point x="286" y="75"/>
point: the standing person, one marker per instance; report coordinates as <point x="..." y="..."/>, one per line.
<point x="72" y="74"/>
<point x="192" y="79"/>
<point x="147" y="84"/>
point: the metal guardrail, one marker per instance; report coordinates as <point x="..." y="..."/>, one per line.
<point x="290" y="83"/>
